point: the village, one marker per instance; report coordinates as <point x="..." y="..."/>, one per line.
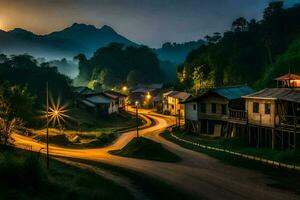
<point x="267" y="118"/>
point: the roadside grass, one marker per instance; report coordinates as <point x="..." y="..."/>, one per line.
<point x="88" y="130"/>
<point x="239" y="144"/>
<point x="153" y="187"/>
<point x="283" y="178"/>
<point x="24" y="176"/>
<point x="147" y="149"/>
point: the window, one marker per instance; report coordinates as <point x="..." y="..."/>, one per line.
<point x="213" y="108"/>
<point x="267" y="108"/>
<point x="194" y="106"/>
<point x="224" y="109"/>
<point x="172" y="106"/>
<point x="203" y="108"/>
<point x="255" y="107"/>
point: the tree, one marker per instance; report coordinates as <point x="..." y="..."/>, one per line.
<point x="240" y="24"/>
<point x="14" y="100"/>
<point x="133" y="78"/>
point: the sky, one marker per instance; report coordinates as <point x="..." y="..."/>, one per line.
<point x="149" y="22"/>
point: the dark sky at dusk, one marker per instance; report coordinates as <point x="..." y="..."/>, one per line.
<point x="150" y="22"/>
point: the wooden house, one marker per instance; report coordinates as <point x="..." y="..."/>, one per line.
<point x="119" y="97"/>
<point x="172" y="102"/>
<point x="99" y="103"/>
<point x="274" y="117"/>
<point x="144" y="94"/>
<point x="288" y="81"/>
<point x="209" y="113"/>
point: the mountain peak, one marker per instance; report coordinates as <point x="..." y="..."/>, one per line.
<point x="82" y="26"/>
<point x="20" y="31"/>
<point x="107" y="28"/>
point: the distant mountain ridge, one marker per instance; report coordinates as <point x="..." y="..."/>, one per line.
<point x="177" y="52"/>
<point x="78" y="38"/>
<point x="81" y="38"/>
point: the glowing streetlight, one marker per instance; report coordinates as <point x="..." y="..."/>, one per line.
<point x="124" y="88"/>
<point x="55" y="113"/>
<point x="148" y="96"/>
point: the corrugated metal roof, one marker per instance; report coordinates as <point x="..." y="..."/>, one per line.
<point x="230" y="93"/>
<point x="233" y="92"/>
<point x="98" y="99"/>
<point x="88" y="103"/>
<point x="183" y="96"/>
<point x="288" y="76"/>
<point x="286" y="94"/>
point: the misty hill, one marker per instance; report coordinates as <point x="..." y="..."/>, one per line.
<point x="177" y="52"/>
<point x="78" y="38"/>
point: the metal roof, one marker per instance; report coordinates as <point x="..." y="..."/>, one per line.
<point x="288" y="76"/>
<point x="98" y="99"/>
<point x="286" y="94"/>
<point x="233" y="92"/>
<point x="183" y="96"/>
<point x="230" y="93"/>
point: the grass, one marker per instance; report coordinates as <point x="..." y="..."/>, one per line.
<point x="239" y="144"/>
<point x="144" y="148"/>
<point x="90" y="129"/>
<point x="152" y="187"/>
<point x="283" y="178"/>
<point x="23" y="176"/>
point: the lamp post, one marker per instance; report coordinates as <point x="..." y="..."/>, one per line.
<point x="47" y="132"/>
<point x="55" y="113"/>
<point x="137" y="119"/>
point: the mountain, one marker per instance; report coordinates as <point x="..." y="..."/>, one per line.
<point x="78" y="38"/>
<point x="177" y="52"/>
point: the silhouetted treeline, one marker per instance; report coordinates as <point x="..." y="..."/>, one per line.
<point x="116" y="64"/>
<point x="252" y="52"/>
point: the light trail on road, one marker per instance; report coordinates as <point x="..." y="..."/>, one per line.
<point x="198" y="174"/>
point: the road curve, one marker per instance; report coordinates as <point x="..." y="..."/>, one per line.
<point x="198" y="173"/>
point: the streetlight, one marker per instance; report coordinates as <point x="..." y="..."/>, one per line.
<point x="137" y="119"/>
<point x="55" y="113"/>
<point x="124" y="88"/>
<point x="47" y="132"/>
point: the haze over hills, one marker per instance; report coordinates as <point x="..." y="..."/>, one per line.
<point x="80" y="38"/>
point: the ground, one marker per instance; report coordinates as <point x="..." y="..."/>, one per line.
<point x="24" y="176"/>
<point x="199" y="174"/>
<point x="87" y="129"/>
<point x="144" y="148"/>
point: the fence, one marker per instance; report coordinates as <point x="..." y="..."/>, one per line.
<point x="263" y="160"/>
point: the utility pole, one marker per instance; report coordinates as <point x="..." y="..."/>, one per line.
<point x="179" y="118"/>
<point x="47" y="133"/>
<point x="137" y="119"/>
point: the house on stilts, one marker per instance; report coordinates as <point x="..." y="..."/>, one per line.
<point x="273" y="114"/>
<point x="217" y="112"/>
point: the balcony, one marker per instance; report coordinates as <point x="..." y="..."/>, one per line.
<point x="289" y="121"/>
<point x="237" y="116"/>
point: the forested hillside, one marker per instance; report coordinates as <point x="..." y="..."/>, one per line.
<point x="116" y="64"/>
<point x="251" y="52"/>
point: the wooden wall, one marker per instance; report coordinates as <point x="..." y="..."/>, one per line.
<point x="261" y="118"/>
<point x="190" y="113"/>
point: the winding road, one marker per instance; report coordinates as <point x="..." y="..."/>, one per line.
<point x="198" y="173"/>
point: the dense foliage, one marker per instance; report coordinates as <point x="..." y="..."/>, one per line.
<point x="23" y="85"/>
<point x="252" y="52"/>
<point x="115" y="65"/>
<point x="25" y="70"/>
